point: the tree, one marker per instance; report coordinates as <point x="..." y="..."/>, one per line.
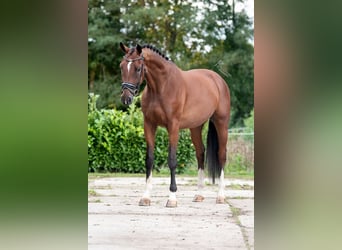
<point x="232" y="55"/>
<point x="103" y="55"/>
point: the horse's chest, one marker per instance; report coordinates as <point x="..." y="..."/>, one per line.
<point x="155" y="113"/>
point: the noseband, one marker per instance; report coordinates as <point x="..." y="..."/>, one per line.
<point x="131" y="87"/>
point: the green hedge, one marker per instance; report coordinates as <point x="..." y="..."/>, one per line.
<point x="116" y="142"/>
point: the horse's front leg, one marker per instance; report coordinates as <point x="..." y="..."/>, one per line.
<point x="173" y="131"/>
<point x="149" y="131"/>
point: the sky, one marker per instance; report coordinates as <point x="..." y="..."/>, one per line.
<point x="249" y="8"/>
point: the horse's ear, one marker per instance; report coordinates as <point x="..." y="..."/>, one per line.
<point x="123" y="47"/>
<point x="139" y="49"/>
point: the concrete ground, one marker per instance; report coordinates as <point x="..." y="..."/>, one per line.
<point x="115" y="221"/>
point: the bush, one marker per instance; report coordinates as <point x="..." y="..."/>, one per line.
<point x="116" y="142"/>
<point x="249" y="122"/>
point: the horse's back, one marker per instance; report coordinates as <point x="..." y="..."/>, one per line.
<point x="207" y="93"/>
<point x="208" y="80"/>
<point x="207" y="76"/>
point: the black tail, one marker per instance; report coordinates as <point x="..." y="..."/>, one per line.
<point x="212" y="160"/>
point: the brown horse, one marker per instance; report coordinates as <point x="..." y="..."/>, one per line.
<point x="177" y="99"/>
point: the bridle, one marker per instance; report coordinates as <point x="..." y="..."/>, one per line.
<point x="131" y="87"/>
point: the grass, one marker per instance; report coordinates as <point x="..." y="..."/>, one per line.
<point x="95" y="201"/>
<point x="238" y="198"/>
<point x="188" y="172"/>
<point x="239" y="176"/>
<point x="92" y="176"/>
<point x="92" y="192"/>
<point x="240" y="187"/>
<point x="236" y="212"/>
<point x="104" y="175"/>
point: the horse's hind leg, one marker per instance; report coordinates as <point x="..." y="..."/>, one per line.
<point x="222" y="134"/>
<point x="196" y="137"/>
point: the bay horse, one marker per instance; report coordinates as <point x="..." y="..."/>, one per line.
<point x="177" y="99"/>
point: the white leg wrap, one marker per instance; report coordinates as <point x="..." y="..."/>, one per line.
<point x="148" y="190"/>
<point x="200" y="184"/>
<point x="221" y="185"/>
<point x="172" y="196"/>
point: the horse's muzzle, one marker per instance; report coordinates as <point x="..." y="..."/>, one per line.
<point x="126" y="99"/>
<point x="129" y="90"/>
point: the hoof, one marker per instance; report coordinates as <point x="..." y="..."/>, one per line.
<point x="144" y="202"/>
<point x="198" y="198"/>
<point x="171" y="203"/>
<point x="220" y="200"/>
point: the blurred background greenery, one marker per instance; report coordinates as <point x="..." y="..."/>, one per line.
<point x="43" y="128"/>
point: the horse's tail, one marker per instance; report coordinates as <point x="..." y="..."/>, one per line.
<point x="212" y="160"/>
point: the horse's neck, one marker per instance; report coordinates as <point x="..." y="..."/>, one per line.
<point x="157" y="74"/>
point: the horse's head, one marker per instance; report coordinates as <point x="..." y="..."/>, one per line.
<point x="132" y="72"/>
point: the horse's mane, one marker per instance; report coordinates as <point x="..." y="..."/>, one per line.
<point x="154" y="49"/>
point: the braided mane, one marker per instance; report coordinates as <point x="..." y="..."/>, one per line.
<point x="154" y="49"/>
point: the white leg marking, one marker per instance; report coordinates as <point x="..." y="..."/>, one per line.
<point x="221" y="185"/>
<point x="148" y="190"/>
<point x="200" y="183"/>
<point x="129" y="66"/>
<point x="172" y="196"/>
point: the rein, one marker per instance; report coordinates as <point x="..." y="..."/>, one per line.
<point x="131" y="87"/>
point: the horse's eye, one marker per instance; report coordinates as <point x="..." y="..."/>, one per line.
<point x="139" y="69"/>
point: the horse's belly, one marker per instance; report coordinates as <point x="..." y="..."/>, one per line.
<point x="195" y="118"/>
<point x="191" y="124"/>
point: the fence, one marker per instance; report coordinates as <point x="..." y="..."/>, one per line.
<point x="240" y="150"/>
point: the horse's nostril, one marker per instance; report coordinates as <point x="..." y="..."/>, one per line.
<point x="130" y="99"/>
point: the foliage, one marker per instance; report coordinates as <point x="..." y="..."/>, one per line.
<point x="195" y="34"/>
<point x="240" y="157"/>
<point x="249" y="122"/>
<point x="116" y="141"/>
<point x="103" y="54"/>
<point x="241" y="148"/>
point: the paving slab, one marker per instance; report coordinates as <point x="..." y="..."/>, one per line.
<point x="115" y="221"/>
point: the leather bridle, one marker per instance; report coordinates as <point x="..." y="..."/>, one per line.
<point x="131" y="87"/>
